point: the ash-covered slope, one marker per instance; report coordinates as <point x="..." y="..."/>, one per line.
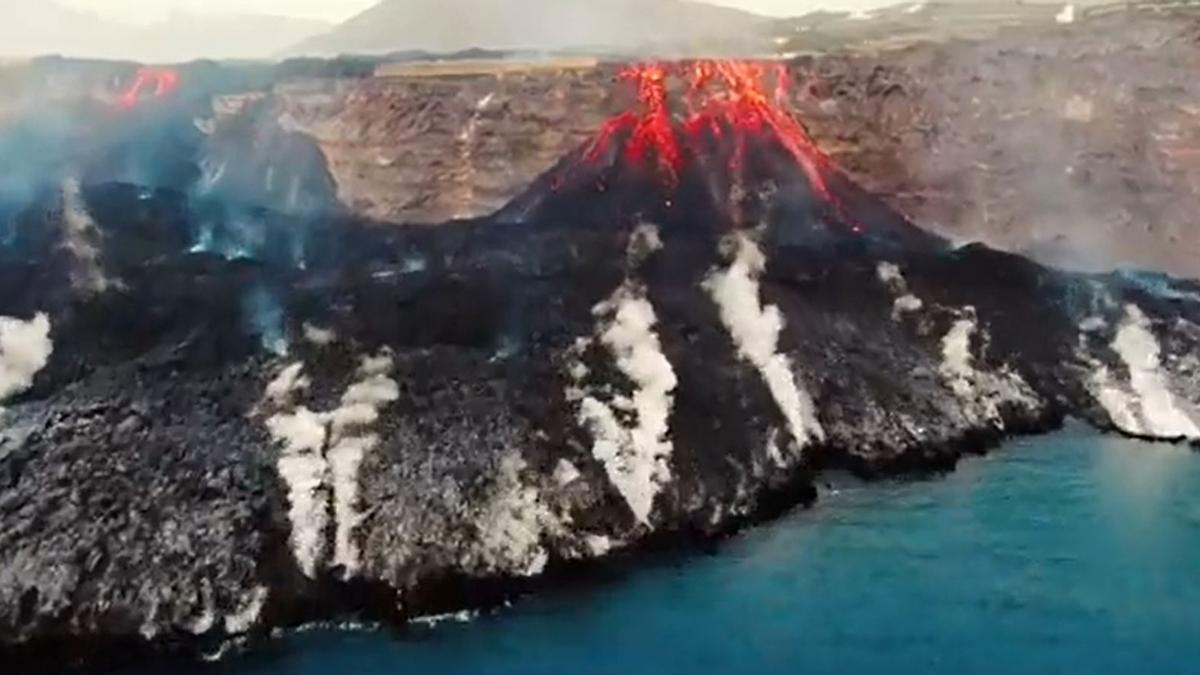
<point x="665" y="339"/>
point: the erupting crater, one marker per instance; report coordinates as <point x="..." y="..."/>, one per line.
<point x="707" y="115"/>
<point x="148" y="83"/>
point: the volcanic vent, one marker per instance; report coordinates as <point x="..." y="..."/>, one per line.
<point x="712" y="143"/>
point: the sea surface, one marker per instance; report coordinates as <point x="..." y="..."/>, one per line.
<point x="1073" y="553"/>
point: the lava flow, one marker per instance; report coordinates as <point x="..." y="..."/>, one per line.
<point x="153" y="82"/>
<point x="730" y="101"/>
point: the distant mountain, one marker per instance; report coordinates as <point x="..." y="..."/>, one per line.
<point x="40" y="28"/>
<point x="453" y="25"/>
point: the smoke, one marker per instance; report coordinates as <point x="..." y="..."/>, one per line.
<point x="25" y="348"/>
<point x="35" y="149"/>
<point x="304" y="470"/>
<point x="79" y="134"/>
<point x="636" y="458"/>
<point x="755" y="331"/>
<point x="1158" y="409"/>
<point x="265" y="317"/>
<point x="322" y="454"/>
<point x="81" y="239"/>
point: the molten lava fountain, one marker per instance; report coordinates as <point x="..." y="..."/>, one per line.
<point x="720" y="109"/>
<point x="148" y="82"/>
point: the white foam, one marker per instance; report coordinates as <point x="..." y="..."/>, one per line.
<point x="1156" y="406"/>
<point x="636" y="459"/>
<point x="755" y="330"/>
<point x="434" y="620"/>
<point x="25" y="348"/>
<point x="1067" y="15"/>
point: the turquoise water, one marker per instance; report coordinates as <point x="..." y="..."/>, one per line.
<point x="1067" y="554"/>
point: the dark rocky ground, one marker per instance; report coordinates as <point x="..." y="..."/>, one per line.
<point x="237" y="401"/>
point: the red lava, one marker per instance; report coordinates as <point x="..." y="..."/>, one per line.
<point x="734" y="101"/>
<point x="153" y="82"/>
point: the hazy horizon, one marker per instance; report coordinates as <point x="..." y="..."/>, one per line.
<point x="166" y="31"/>
<point x="336" y="11"/>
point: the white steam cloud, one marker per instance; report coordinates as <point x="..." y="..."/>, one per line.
<point x="321" y="458"/>
<point x="755" y="330"/>
<point x="25" y="348"/>
<point x="637" y="458"/>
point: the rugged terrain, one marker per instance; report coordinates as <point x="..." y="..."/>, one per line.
<point x="246" y="389"/>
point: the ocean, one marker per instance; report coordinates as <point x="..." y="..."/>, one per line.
<point x="1071" y="553"/>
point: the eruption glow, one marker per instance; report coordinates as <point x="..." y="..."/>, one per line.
<point x="729" y="101"/>
<point x="153" y="82"/>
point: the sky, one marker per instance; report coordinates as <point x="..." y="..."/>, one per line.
<point x="340" y="10"/>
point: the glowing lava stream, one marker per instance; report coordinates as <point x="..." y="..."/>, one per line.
<point x="723" y="99"/>
<point x="158" y="81"/>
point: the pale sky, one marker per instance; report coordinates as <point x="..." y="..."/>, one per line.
<point x="339" y="10"/>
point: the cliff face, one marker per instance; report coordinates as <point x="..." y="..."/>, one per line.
<point x="1075" y="145"/>
<point x="428" y="150"/>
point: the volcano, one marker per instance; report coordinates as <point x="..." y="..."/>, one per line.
<point x="711" y="145"/>
<point x="666" y="338"/>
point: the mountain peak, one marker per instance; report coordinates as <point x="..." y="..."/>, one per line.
<point x="441" y="26"/>
<point x="42" y="28"/>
